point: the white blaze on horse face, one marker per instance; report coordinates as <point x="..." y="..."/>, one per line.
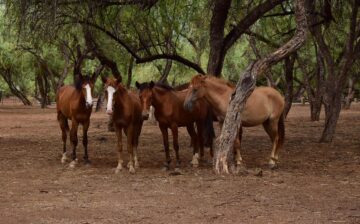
<point x="110" y="91"/>
<point x="88" y="94"/>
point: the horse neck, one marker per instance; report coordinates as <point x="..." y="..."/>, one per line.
<point x="81" y="99"/>
<point x="159" y="96"/>
<point x="218" y="95"/>
<point x="121" y="99"/>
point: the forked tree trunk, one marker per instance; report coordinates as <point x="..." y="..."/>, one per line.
<point x="246" y="85"/>
<point x="7" y="76"/>
<point x="129" y="72"/>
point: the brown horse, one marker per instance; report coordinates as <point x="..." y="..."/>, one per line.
<point x="125" y="108"/>
<point x="170" y="113"/>
<point x="75" y="103"/>
<point x="264" y="106"/>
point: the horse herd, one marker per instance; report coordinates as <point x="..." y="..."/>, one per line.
<point x="204" y="101"/>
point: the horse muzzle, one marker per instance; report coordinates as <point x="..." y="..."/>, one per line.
<point x="109" y="112"/>
<point x="188" y="105"/>
<point x="88" y="105"/>
<point x="145" y="115"/>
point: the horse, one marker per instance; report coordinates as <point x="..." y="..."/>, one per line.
<point x="75" y="103"/>
<point x="170" y="113"/>
<point x="264" y="106"/>
<point x="125" y="109"/>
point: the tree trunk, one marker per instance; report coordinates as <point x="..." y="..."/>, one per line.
<point x="217" y="27"/>
<point x="166" y="72"/>
<point x="350" y="93"/>
<point x="289" y="77"/>
<point x="129" y="72"/>
<point x="7" y="76"/>
<point x="246" y="85"/>
<point x="332" y="113"/>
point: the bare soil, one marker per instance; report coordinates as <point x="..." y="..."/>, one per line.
<point x="315" y="183"/>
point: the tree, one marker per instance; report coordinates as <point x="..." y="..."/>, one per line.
<point x="337" y="61"/>
<point x="246" y="85"/>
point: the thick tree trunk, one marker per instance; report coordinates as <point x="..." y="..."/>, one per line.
<point x="332" y="113"/>
<point x="289" y="77"/>
<point x="217" y="27"/>
<point x="246" y="85"/>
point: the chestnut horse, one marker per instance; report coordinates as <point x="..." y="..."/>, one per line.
<point x="75" y="103"/>
<point x="169" y="113"/>
<point x="125" y="108"/>
<point x="264" y="106"/>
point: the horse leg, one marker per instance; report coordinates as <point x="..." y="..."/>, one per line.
<point x="64" y="128"/>
<point x="130" y="134"/>
<point x="85" y="141"/>
<point x="136" y="143"/>
<point x="194" y="140"/>
<point x="119" y="145"/>
<point x="237" y="147"/>
<point x="200" y="137"/>
<point x="271" y="128"/>
<point x="74" y="141"/>
<point x="165" y="136"/>
<point x="174" y="130"/>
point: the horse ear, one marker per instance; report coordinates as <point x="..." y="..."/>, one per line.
<point x="104" y="79"/>
<point x="151" y="84"/>
<point x="137" y="84"/>
<point x="118" y="81"/>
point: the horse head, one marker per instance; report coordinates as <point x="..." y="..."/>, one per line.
<point x="111" y="85"/>
<point x="85" y="84"/>
<point x="145" y="95"/>
<point x="195" y="91"/>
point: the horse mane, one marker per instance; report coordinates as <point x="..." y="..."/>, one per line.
<point x="182" y="86"/>
<point x="222" y="81"/>
<point x="163" y="86"/>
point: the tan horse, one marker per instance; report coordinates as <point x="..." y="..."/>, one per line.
<point x="264" y="106"/>
<point x="125" y="108"/>
<point x="75" y="103"/>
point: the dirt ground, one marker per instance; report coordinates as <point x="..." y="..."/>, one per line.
<point x="315" y="183"/>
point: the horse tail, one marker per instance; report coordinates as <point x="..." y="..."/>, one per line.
<point x="281" y="130"/>
<point x="209" y="133"/>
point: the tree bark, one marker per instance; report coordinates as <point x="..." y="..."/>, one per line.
<point x="129" y="72"/>
<point x="350" y="93"/>
<point x="7" y="76"/>
<point x="217" y="28"/>
<point x="246" y="85"/>
<point x="289" y="78"/>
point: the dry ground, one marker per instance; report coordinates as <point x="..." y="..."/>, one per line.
<point x="316" y="183"/>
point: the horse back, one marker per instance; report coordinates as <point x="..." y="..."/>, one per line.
<point x="264" y="103"/>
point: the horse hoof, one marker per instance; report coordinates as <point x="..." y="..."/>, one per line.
<point x="177" y="170"/>
<point x="63" y="158"/>
<point x="273" y="166"/>
<point x="165" y="168"/>
<point x="137" y="165"/>
<point x="118" y="170"/>
<point x="73" y="164"/>
<point x="87" y="162"/>
<point x="131" y="170"/>
<point x="240" y="170"/>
